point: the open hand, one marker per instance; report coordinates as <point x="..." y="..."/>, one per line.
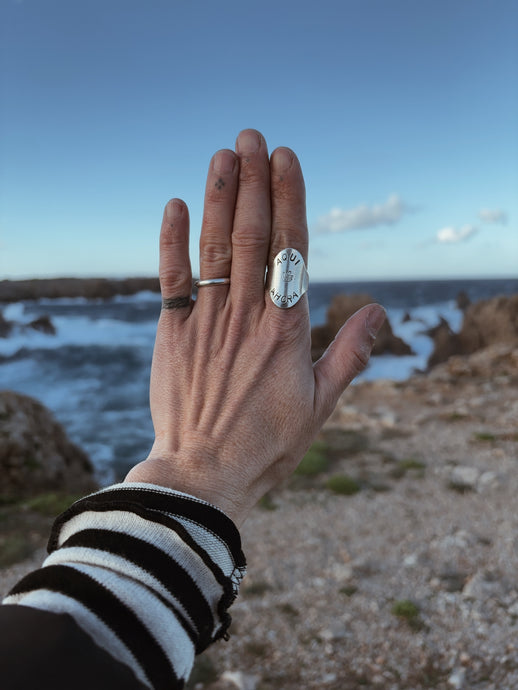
<point x="235" y="398"/>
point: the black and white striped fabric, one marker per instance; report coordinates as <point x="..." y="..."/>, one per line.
<point x="148" y="573"/>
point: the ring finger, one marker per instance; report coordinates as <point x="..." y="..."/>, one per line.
<point x="289" y="230"/>
<point x="216" y="231"/>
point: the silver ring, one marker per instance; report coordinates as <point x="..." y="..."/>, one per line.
<point x="212" y="281"/>
<point x="288" y="278"/>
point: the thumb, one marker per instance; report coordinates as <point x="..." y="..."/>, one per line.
<point x="346" y="357"/>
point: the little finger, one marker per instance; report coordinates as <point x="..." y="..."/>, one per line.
<point x="175" y="266"/>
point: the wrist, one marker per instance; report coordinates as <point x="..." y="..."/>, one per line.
<point x="161" y="472"/>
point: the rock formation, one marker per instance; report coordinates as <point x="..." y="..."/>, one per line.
<point x="35" y="452"/>
<point x="340" y="309"/>
<point x="43" y="324"/>
<point x="488" y="322"/>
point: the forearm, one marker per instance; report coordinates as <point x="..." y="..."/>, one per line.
<point x="146" y="572"/>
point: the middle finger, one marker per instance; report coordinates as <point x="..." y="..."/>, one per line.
<point x="252" y="220"/>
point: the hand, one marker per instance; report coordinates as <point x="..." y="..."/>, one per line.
<point x="235" y="398"/>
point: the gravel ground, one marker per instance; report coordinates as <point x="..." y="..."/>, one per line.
<point x="432" y="536"/>
<point x="410" y="583"/>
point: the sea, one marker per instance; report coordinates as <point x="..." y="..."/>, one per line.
<point x="94" y="372"/>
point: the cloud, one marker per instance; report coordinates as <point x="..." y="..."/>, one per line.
<point x="496" y="215"/>
<point x="454" y="235"/>
<point x="342" y="220"/>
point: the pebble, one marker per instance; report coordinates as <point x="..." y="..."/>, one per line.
<point x="328" y="678"/>
<point x="341" y="572"/>
<point x="335" y="631"/>
<point x="465" y="477"/>
<point x="488" y="480"/>
<point x="241" y="680"/>
<point x="457" y="678"/>
<point x="410" y="561"/>
<point x="480" y="587"/>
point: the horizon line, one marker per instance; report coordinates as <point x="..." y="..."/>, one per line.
<point x="382" y="279"/>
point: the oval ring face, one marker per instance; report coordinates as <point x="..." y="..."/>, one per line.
<point x="288" y="278"/>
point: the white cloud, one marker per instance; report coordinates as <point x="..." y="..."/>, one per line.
<point x="454" y="235"/>
<point x="342" y="220"/>
<point x="496" y="215"/>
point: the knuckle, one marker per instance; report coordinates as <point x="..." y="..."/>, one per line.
<point x="358" y="360"/>
<point x="168" y="239"/>
<point x="214" y="251"/>
<point x="253" y="175"/>
<point x="171" y="279"/>
<point x="288" y="236"/>
<point x="289" y="327"/>
<point x="250" y="238"/>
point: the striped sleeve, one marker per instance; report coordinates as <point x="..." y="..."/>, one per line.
<point x="147" y="572"/>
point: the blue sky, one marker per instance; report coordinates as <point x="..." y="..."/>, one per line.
<point x="404" y="114"/>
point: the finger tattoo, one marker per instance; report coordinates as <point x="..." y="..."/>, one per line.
<point x="176" y="302"/>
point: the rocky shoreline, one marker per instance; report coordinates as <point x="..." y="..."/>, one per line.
<point x="486" y="322"/>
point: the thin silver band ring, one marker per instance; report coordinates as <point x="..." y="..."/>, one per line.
<point x="212" y="281"/>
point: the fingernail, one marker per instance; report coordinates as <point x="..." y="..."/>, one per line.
<point x="174" y="209"/>
<point x="224" y="162"/>
<point x="282" y="160"/>
<point x="375" y="320"/>
<point x="248" y="141"/>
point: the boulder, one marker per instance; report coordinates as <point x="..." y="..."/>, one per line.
<point x="488" y="322"/>
<point x="43" y="324"/>
<point x="445" y="343"/>
<point x="340" y="309"/>
<point x="442" y="327"/>
<point x="35" y="453"/>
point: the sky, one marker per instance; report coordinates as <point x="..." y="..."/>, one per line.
<point x="404" y="115"/>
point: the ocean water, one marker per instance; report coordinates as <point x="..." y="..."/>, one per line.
<point x="94" y="373"/>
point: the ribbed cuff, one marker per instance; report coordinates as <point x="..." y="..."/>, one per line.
<point x="147" y="572"/>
